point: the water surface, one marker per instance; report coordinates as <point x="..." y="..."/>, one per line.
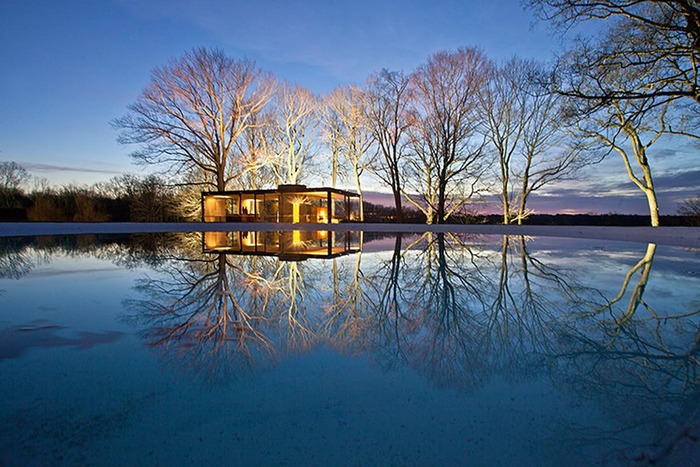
<point x="437" y="349"/>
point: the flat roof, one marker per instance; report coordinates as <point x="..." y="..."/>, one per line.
<point x="282" y="189"/>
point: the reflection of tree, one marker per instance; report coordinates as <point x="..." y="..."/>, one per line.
<point x="17" y="258"/>
<point x="225" y="313"/>
<point x="637" y="296"/>
<point x="531" y="299"/>
<point x="643" y="364"/>
<point x="389" y="318"/>
<point x="210" y="312"/>
<point x="456" y="310"/>
<point x="429" y="299"/>
<point x="453" y="293"/>
<point x="349" y="317"/>
<point x="296" y="317"/>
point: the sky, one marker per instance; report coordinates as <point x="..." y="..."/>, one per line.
<point x="68" y="68"/>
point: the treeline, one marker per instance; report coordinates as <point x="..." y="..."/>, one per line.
<point x="685" y="217"/>
<point x="126" y="198"/>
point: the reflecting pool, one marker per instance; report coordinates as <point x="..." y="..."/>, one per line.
<point x="348" y="349"/>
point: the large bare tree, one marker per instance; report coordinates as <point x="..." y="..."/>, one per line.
<point x="627" y="128"/>
<point x="251" y="152"/>
<point x="191" y="114"/>
<point x="388" y="95"/>
<point x="658" y="40"/>
<point x="293" y="132"/>
<point x="444" y="118"/>
<point x="504" y="121"/>
<point x="547" y="152"/>
<point x="353" y="134"/>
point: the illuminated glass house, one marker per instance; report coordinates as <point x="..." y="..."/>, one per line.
<point x="288" y="203"/>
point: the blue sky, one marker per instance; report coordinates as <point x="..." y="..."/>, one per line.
<point x="70" y="67"/>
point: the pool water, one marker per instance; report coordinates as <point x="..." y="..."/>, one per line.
<point x="432" y="349"/>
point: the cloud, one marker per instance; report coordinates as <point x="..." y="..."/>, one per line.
<point x="688" y="179"/>
<point x="50" y="168"/>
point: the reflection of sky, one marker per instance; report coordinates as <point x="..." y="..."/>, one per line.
<point x="85" y="286"/>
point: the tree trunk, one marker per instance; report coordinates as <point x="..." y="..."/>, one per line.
<point x="441" y="200"/>
<point x="220" y="182"/>
<point x="653" y="207"/>
<point x="399" y="207"/>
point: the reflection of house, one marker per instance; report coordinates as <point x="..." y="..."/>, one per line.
<point x="288" y="246"/>
<point x="288" y="203"/>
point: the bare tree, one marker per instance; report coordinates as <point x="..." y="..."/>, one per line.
<point x="149" y="198"/>
<point x="504" y="119"/>
<point x="548" y="153"/>
<point x="444" y="123"/>
<point x="659" y="41"/>
<point x="691" y="208"/>
<point x="353" y="133"/>
<point x="293" y="132"/>
<point x="193" y="111"/>
<point x="630" y="128"/>
<point x="388" y="95"/>
<point x="524" y="126"/>
<point x="332" y="128"/>
<point x="252" y="150"/>
<point x="12" y="178"/>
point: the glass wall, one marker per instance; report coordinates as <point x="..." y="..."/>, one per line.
<point x="289" y="207"/>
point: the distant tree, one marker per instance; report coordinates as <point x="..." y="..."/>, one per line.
<point x="691" y="208"/>
<point x="149" y="198"/>
<point x="192" y="113"/>
<point x="447" y="157"/>
<point x="13" y="177"/>
<point x="388" y="97"/>
<point x="292" y="137"/>
<point x="658" y="41"/>
<point x="69" y="203"/>
<point x="353" y="133"/>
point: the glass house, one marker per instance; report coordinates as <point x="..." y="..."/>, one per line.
<point x="288" y="203"/>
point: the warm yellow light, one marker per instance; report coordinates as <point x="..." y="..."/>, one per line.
<point x="322" y="234"/>
<point x="215" y="240"/>
<point x="322" y="216"/>
<point x="248" y="239"/>
<point x="296" y="237"/>
<point x="296" y="216"/>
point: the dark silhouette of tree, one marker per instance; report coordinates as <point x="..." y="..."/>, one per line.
<point x="657" y="41"/>
<point x="13" y="177"/>
<point x="691" y="208"/>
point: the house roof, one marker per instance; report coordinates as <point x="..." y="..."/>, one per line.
<point x="282" y="189"/>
